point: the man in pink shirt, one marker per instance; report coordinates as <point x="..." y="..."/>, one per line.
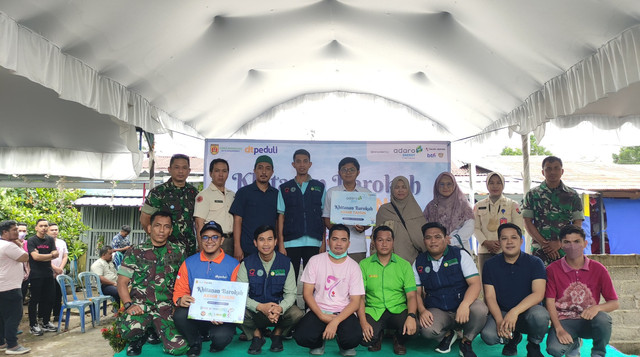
<point x="574" y="286"/>
<point x="12" y="256"/>
<point x="332" y="291"/>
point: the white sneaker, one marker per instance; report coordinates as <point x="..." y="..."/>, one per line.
<point x="49" y="327"/>
<point x="36" y="330"/>
<point x="18" y="350"/>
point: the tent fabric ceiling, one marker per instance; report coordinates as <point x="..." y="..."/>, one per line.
<point x="207" y="68"/>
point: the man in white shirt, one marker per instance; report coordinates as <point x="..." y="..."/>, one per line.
<point x="107" y="272"/>
<point x="58" y="265"/>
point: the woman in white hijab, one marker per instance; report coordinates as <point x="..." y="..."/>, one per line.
<point x="490" y="213"/>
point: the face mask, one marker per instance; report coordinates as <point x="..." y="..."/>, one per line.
<point x="335" y="256"/>
<point x="572" y="251"/>
<point x="21" y="235"/>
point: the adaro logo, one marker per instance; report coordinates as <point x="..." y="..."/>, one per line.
<point x="215" y="149"/>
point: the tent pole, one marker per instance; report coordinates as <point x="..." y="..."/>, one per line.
<point x="472" y="200"/>
<point x="602" y="247"/>
<point x="526" y="173"/>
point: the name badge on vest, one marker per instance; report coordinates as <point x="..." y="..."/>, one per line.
<point x="278" y="272"/>
<point x="451" y="262"/>
<point x="218" y="201"/>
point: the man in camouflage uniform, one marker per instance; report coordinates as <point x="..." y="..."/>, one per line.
<point x="549" y="207"/>
<point x="151" y="268"/>
<point x="177" y="197"/>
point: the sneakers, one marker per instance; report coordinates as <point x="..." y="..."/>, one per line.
<point x="276" y="343"/>
<point x="348" y="352"/>
<point x="317" y="351"/>
<point x="36" y="330"/>
<point x="466" y="350"/>
<point x="49" y="327"/>
<point x="445" y="345"/>
<point x="18" y="350"/>
<point x="533" y="350"/>
<point x="256" y="345"/>
<point x="511" y="348"/>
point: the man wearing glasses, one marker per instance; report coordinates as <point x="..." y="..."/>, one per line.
<point x="177" y="197"/>
<point x="211" y="263"/>
<point x="348" y="169"/>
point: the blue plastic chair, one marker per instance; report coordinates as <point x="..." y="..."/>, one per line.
<point x="88" y="281"/>
<point x="81" y="305"/>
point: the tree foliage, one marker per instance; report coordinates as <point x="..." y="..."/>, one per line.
<point x="627" y="155"/>
<point x="535" y="149"/>
<point x="55" y="205"/>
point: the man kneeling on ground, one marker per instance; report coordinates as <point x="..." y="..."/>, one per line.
<point x="211" y="263"/>
<point x="574" y="286"/>
<point x="390" y="299"/>
<point x="514" y="284"/>
<point x="272" y="292"/>
<point x="332" y="291"/>
<point x="449" y="279"/>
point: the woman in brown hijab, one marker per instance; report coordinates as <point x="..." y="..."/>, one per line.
<point x="404" y="216"/>
<point x="451" y="208"/>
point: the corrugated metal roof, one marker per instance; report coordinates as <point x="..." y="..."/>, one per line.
<point x="110" y="201"/>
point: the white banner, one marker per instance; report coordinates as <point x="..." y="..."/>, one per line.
<point x="380" y="162"/>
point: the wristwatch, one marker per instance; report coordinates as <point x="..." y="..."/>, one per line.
<point x="127" y="305"/>
<point x="413" y="315"/>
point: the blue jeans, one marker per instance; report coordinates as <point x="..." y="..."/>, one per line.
<point x="598" y="329"/>
<point x="10" y="316"/>
<point x="533" y="322"/>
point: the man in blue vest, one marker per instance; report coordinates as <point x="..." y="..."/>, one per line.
<point x="272" y="292"/>
<point x="448" y="289"/>
<point x="300" y="202"/>
<point x="211" y="263"/>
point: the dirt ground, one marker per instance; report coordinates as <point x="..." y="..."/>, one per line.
<point x="71" y="343"/>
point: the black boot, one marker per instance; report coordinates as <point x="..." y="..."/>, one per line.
<point x="135" y="346"/>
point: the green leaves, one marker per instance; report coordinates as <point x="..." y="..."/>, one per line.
<point x="55" y="205"/>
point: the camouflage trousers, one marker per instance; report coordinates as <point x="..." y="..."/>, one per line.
<point x="161" y="320"/>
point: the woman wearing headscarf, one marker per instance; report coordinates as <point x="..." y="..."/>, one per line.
<point x="490" y="213"/>
<point x="451" y="208"/>
<point x="404" y="216"/>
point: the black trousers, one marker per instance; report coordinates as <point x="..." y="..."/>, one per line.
<point x="221" y="335"/>
<point x="304" y="253"/>
<point x="309" y="331"/>
<point x="387" y="321"/>
<point x="41" y="303"/>
<point x="10" y="316"/>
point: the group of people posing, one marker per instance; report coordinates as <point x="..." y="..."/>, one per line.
<point x="420" y="277"/>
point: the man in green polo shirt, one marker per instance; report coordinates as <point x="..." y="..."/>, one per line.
<point x="390" y="295"/>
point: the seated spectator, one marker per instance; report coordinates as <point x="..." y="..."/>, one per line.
<point x="390" y="295"/>
<point x="448" y="290"/>
<point x="107" y="272"/>
<point x="332" y="291"/>
<point x="514" y="284"/>
<point x="211" y="263"/>
<point x="574" y="286"/>
<point x="272" y="292"/>
<point x="120" y="243"/>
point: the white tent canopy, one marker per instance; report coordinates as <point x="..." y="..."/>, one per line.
<point x="78" y="76"/>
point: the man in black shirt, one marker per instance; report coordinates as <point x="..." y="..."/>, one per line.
<point x="42" y="249"/>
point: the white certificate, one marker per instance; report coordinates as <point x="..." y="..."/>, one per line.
<point x="217" y="300"/>
<point x="353" y="208"/>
